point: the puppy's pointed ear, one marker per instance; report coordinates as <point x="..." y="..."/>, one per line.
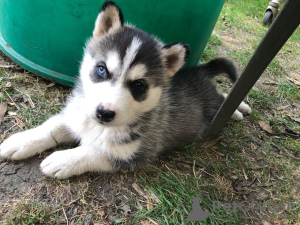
<point x="109" y="19"/>
<point x="174" y="56"/>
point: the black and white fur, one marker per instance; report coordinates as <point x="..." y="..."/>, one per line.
<point x="128" y="105"/>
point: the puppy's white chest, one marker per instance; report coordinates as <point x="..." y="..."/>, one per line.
<point x="116" y="142"/>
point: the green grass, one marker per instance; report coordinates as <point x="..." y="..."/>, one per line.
<point x="210" y="50"/>
<point x="32" y="212"/>
<point x="175" y="190"/>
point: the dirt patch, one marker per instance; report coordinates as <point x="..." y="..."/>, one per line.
<point x="17" y="176"/>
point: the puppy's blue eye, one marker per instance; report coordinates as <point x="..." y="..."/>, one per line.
<point x="102" y="72"/>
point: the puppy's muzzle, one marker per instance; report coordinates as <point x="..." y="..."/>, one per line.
<point x="105" y="115"/>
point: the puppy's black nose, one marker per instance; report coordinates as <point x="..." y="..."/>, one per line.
<point x="104" y="115"/>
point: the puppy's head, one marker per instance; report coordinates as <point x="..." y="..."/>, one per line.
<point x="125" y="70"/>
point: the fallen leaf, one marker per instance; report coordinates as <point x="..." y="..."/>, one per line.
<point x="3" y="109"/>
<point x="265" y="222"/>
<point x="126" y="209"/>
<point x="253" y="146"/>
<point x="12" y="113"/>
<point x="152" y="222"/>
<point x="139" y="190"/>
<point x="262" y="196"/>
<point x="265" y="127"/>
<point x="282" y="107"/>
<point x="19" y="122"/>
<point x="11" y="103"/>
<point x="211" y="143"/>
<point x="101" y="213"/>
<point x="295" y="78"/>
<point x="149" y="206"/>
<point x="153" y="198"/>
<point x="8" y="85"/>
<point x="139" y="205"/>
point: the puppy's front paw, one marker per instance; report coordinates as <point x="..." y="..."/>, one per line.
<point x="19" y="146"/>
<point x="62" y="165"/>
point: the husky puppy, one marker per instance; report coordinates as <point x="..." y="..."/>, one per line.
<point x="128" y="105"/>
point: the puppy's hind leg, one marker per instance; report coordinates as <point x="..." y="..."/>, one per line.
<point x="31" y="142"/>
<point x="243" y="108"/>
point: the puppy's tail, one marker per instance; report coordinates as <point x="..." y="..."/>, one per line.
<point x="220" y="66"/>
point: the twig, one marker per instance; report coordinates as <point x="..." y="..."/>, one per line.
<point x="5" y="132"/>
<point x="29" y="99"/>
<point x="70" y="203"/>
<point x="254" y="179"/>
<point x="12" y="100"/>
<point x="203" y="169"/>
<point x="188" y="162"/>
<point x="245" y="175"/>
<point x="290" y="130"/>
<point x="292" y="214"/>
<point x="256" y="167"/>
<point x="152" y="221"/>
<point x="269" y="83"/>
<point x="7" y="66"/>
<point x="194" y="168"/>
<point x="285" y="133"/>
<point x="192" y="164"/>
<point x="65" y="215"/>
<point x="219" y="153"/>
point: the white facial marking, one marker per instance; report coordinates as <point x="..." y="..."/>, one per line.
<point x="131" y="53"/>
<point x="151" y="101"/>
<point x="88" y="63"/>
<point x="137" y="72"/>
<point x="113" y="61"/>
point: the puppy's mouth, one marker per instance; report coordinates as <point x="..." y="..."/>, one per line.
<point x="104" y="123"/>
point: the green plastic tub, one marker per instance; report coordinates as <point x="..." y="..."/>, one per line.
<point x="47" y="37"/>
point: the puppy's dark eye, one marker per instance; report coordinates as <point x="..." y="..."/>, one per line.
<point x="138" y="85"/>
<point x="138" y="89"/>
<point x="102" y="72"/>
